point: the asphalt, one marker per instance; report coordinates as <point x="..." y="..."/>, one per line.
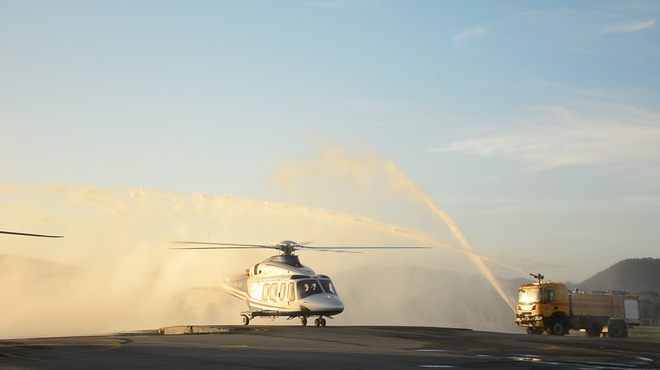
<point x="354" y="347"/>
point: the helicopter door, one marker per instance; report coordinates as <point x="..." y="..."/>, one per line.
<point x="254" y="292"/>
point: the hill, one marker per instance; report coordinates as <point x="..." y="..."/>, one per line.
<point x="635" y="275"/>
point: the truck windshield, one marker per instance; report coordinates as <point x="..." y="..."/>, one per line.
<point x="529" y="295"/>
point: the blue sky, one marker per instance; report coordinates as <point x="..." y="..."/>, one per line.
<point x="535" y="125"/>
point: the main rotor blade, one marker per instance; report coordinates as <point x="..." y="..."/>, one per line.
<point x="363" y="248"/>
<point x="295" y="246"/>
<point x="214" y="243"/>
<point x="27" y="234"/>
<point x="322" y="249"/>
<point x="223" y="245"/>
<point x="215" y="248"/>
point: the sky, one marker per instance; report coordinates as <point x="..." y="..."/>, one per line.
<point x="534" y="125"/>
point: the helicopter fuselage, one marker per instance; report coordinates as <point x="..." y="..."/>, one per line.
<point x="282" y="286"/>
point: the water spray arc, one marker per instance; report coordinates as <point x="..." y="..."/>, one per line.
<point x="456" y="231"/>
<point x="335" y="163"/>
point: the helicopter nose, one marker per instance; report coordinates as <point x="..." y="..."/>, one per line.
<point x="323" y="304"/>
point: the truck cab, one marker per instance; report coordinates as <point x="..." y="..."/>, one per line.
<point x="543" y="306"/>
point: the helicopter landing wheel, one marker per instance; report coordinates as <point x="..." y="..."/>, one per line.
<point x="303" y="321"/>
<point x="246" y="320"/>
<point x="320" y="322"/>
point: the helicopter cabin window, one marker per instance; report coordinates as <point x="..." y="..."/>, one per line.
<point x="273" y="292"/>
<point x="292" y="292"/>
<point x="282" y="292"/>
<point x="308" y="287"/>
<point x="328" y="286"/>
<point x="266" y="292"/>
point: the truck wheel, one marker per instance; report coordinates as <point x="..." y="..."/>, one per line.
<point x="617" y="329"/>
<point x="558" y="326"/>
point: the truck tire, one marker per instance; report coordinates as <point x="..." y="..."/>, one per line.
<point x="617" y="329"/>
<point x="558" y="326"/>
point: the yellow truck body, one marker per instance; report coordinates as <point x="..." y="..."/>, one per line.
<point x="551" y="308"/>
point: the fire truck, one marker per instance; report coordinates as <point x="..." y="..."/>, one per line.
<point x="551" y="308"/>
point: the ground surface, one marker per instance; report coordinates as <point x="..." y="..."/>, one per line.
<point x="287" y="347"/>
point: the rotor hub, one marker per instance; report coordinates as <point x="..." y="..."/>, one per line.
<point x="288" y="247"/>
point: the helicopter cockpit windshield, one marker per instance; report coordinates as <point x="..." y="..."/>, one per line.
<point x="309" y="287"/>
<point x="328" y="286"/>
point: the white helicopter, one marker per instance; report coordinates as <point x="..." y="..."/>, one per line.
<point x="282" y="286"/>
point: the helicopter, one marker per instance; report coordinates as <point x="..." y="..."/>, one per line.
<point x="28" y="234"/>
<point x="281" y="286"/>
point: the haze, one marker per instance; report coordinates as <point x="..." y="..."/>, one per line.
<point x="114" y="269"/>
<point x="534" y="127"/>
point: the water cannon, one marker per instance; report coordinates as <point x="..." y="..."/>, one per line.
<point x="538" y="276"/>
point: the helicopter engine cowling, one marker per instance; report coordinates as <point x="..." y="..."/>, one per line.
<point x="280" y="265"/>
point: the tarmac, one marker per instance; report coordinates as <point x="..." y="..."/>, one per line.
<point x="341" y="347"/>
